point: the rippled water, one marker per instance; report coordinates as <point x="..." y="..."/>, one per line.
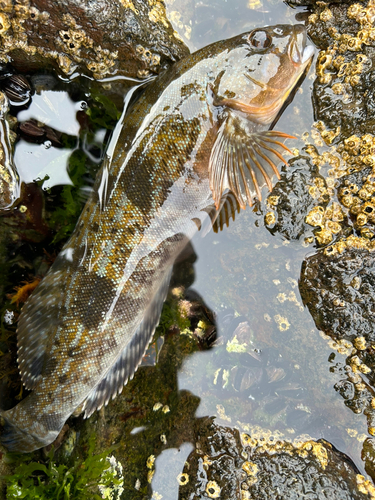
<point x="243" y="272"/>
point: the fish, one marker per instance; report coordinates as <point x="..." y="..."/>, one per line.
<point x="193" y="150"/>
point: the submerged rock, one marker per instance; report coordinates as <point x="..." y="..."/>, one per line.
<point x="228" y="464"/>
<point x="338" y="287"/>
<point x="341" y="298"/>
<point x="102" y="38"/>
<point x="302" y="3"/>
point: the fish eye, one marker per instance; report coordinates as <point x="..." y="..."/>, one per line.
<point x="260" y="39"/>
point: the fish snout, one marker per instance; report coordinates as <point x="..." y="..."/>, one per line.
<point x="299" y="50"/>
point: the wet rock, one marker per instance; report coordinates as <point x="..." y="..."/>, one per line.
<point x="102" y="38"/>
<point x="340" y="293"/>
<point x="368" y="456"/>
<point x="230" y="464"/>
<point x="338" y="289"/>
<point x="300" y="189"/>
<point x="343" y="86"/>
<point x="9" y="182"/>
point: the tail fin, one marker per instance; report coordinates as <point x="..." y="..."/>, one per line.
<point x="23" y="439"/>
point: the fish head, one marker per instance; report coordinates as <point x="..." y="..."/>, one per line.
<point x="262" y="69"/>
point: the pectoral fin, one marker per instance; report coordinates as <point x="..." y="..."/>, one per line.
<point x="244" y="162"/>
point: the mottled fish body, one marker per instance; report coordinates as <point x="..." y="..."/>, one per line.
<point x="194" y="147"/>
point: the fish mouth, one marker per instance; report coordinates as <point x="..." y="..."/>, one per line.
<point x="300" y="52"/>
<point x="302" y="55"/>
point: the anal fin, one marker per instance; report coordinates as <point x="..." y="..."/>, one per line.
<point x="229" y="206"/>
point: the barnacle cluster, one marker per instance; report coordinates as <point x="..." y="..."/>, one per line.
<point x="178" y="20"/>
<point x="256" y="464"/>
<point x="336" y="62"/>
<point x="303" y="448"/>
<point x="356" y="193"/>
<point x="342" y="68"/>
<point x="151" y="60"/>
<point x="71" y="46"/>
<point x="354" y="156"/>
<point x="328" y="220"/>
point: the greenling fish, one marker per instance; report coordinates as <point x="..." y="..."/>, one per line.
<point x="194" y="148"/>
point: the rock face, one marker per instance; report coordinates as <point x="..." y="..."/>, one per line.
<point x="341" y="299"/>
<point x="230" y="464"/>
<point x="342" y="95"/>
<point x="101" y="38"/>
<point x="300" y="189"/>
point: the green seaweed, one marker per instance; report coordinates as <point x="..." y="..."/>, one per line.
<point x="103" y="112"/>
<point x="172" y="316"/>
<point x="43" y="481"/>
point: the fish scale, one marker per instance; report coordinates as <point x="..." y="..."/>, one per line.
<point x="192" y="150"/>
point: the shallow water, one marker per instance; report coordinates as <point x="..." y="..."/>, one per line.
<point x="242" y="272"/>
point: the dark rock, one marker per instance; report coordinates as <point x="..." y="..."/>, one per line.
<point x="305" y="3"/>
<point x="340" y="293"/>
<point x="102" y="38"/>
<point x="227" y="464"/>
<point x="300" y="188"/>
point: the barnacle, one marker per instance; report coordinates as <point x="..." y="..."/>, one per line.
<point x="250" y="468"/>
<point x="328" y="220"/>
<point x="270" y="218"/>
<point x="183" y="479"/>
<point x="213" y="489"/>
<point x="360" y="343"/>
<point x="282" y="323"/>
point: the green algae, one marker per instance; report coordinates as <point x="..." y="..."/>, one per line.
<point x="45" y="480"/>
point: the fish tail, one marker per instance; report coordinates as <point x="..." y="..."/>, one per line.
<point x="20" y="437"/>
<point x="11" y="436"/>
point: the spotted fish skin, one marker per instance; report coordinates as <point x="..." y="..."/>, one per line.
<point x="83" y="332"/>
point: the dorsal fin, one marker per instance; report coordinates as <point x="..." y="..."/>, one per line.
<point x="244" y="161"/>
<point x="131" y="356"/>
<point x="38" y="322"/>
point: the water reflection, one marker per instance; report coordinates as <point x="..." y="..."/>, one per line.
<point x="202" y="23"/>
